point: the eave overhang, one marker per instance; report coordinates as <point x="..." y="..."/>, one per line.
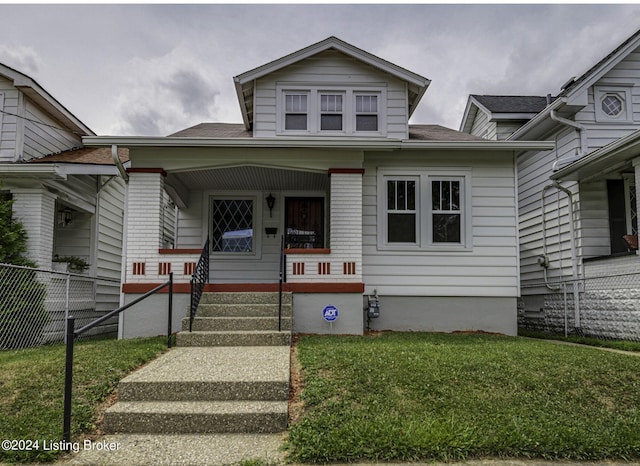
<point x="599" y="163"/>
<point x="21" y="170"/>
<point x="316" y="143"/>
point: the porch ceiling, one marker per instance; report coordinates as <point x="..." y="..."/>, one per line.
<point x="251" y="177"/>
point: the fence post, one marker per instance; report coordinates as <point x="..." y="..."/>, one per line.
<point x="66" y="301"/>
<point x="68" y="381"/>
<point x="170" y="310"/>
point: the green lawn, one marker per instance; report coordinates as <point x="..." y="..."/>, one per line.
<point x="401" y="396"/>
<point x="32" y="388"/>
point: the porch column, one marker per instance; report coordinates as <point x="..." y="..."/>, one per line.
<point x="144" y="224"/>
<point x="346" y="223"/>
<point x="636" y="166"/>
<point x="35" y="208"/>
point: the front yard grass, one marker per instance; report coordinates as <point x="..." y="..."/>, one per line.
<point x="414" y="396"/>
<point x="32" y="389"/>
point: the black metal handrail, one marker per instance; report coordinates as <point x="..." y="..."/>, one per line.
<point x="199" y="278"/>
<point x="282" y="278"/>
<point x="72" y="334"/>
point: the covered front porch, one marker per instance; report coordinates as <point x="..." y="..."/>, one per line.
<point x="256" y="217"/>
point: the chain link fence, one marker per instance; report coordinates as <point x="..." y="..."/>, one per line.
<point x="34" y="304"/>
<point x="604" y="307"/>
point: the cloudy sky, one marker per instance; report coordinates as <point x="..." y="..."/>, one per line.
<point x="155" y="69"/>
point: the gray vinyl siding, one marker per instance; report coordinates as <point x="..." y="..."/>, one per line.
<point x="482" y="127"/>
<point x="330" y="68"/>
<point x="506" y="129"/>
<point x="45" y="138"/>
<point x="10" y="125"/>
<point x="109" y="248"/>
<point x="489" y="268"/>
<point x="593" y="235"/>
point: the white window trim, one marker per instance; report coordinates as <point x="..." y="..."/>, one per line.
<point x="629" y="185"/>
<point x="254" y="196"/>
<point x="424" y="234"/>
<point x="623" y="92"/>
<point x="348" y="109"/>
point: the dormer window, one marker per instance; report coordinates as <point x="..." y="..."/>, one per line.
<point x="307" y="110"/>
<point x="295" y="112"/>
<point x="330" y="112"/>
<point x="366" y="113"/>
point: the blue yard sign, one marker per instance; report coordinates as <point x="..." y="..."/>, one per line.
<point x="330" y="313"/>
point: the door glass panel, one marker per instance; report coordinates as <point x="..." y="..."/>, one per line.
<point x="304" y="220"/>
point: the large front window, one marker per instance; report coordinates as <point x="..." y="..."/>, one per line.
<point x="424" y="209"/>
<point x="232" y="225"/>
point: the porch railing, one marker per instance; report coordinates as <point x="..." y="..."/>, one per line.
<point x="199" y="279"/>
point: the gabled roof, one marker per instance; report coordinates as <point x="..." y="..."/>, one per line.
<point x="603" y="66"/>
<point x="501" y="107"/>
<point x="417" y="85"/>
<point x="46" y="101"/>
<point x="576" y="87"/>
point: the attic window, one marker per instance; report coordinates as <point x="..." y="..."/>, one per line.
<point x="612" y="105"/>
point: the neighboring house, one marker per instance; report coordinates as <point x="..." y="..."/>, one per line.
<point x="420" y="215"/>
<point x="587" y="187"/>
<point x="70" y="199"/>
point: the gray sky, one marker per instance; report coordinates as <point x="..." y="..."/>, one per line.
<point x="156" y="69"/>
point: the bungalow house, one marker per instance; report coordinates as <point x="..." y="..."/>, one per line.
<point x="326" y="170"/>
<point x="70" y="199"/>
<point x="578" y="203"/>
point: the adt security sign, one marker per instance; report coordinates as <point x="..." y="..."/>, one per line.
<point x="330" y="313"/>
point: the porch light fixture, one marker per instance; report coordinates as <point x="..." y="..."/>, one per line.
<point x="65" y="217"/>
<point x="271" y="201"/>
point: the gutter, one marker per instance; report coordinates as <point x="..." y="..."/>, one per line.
<point x="312" y="143"/>
<point x="558" y="164"/>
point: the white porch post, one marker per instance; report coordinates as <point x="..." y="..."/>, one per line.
<point x="144" y="225"/>
<point x="346" y="223"/>
<point x="35" y="208"/>
<point x="636" y="166"/>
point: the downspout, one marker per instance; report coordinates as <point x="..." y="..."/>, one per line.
<point x="118" y="163"/>
<point x="583" y="141"/>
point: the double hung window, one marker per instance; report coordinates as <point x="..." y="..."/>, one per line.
<point x="366" y="112"/>
<point x="296" y="112"/>
<point x="330" y="112"/>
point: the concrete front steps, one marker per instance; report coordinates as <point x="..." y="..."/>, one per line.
<point x="238" y="319"/>
<point x="230" y="375"/>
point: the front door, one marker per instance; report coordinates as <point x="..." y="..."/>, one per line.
<point x="304" y="222"/>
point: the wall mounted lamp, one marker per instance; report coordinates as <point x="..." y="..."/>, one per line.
<point x="271" y="201"/>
